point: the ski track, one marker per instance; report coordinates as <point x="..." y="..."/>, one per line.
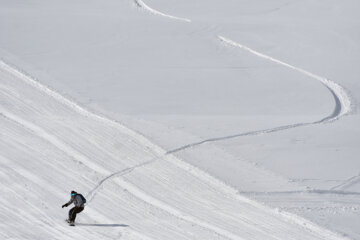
<point x="347" y="183"/>
<point x="341" y="98"/>
<point x="308" y="230"/>
<point x="92" y="193"/>
<point x="142" y="5"/>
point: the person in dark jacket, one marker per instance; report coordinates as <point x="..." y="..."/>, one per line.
<point x="79" y="202"/>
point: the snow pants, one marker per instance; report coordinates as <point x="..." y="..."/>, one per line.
<point x="73" y="212"/>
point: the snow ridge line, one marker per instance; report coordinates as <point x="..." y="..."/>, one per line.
<point x="175" y="212"/>
<point x="141" y="4"/>
<point x="77" y="108"/>
<point x="54" y="141"/>
<point x="221" y="186"/>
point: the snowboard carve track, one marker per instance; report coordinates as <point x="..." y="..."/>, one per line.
<point x="123" y="172"/>
<point x="347" y="183"/>
<point x="342" y="102"/>
<point x="342" y="99"/>
<point x="144" y="6"/>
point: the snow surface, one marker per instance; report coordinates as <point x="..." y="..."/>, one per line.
<point x="180" y="119"/>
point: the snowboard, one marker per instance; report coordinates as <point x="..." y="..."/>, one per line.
<point x="70" y="223"/>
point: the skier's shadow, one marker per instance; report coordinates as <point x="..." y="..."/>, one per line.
<point x="101" y="225"/>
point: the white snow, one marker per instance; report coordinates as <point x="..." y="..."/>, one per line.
<point x="202" y="120"/>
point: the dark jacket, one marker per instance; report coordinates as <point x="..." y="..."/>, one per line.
<point x="77" y="200"/>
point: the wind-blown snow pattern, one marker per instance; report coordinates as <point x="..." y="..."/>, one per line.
<point x="150" y="194"/>
<point x="141" y="4"/>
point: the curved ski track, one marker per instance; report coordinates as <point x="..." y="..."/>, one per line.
<point x="203" y="205"/>
<point x="341" y="98"/>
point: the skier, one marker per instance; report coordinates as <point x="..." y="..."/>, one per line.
<point x="79" y="202"/>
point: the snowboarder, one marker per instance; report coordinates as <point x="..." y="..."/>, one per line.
<point x="79" y="202"/>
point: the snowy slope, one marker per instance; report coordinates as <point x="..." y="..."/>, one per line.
<point x="248" y="91"/>
<point x="50" y="144"/>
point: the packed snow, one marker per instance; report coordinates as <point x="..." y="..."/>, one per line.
<point x="180" y="119"/>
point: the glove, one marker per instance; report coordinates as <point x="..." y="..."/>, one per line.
<point x="65" y="205"/>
